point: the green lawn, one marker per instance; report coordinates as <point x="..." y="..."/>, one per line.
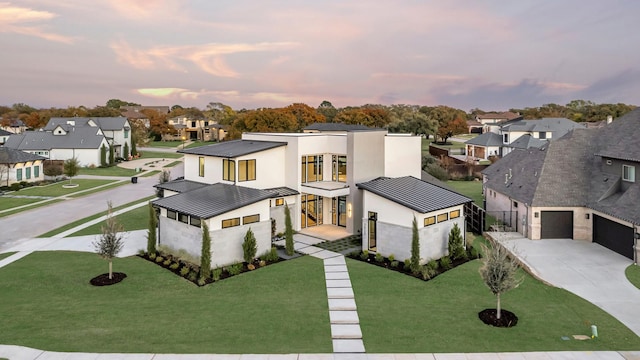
<point x="633" y="275"/>
<point x="11" y="212"/>
<point x="109" y="171"/>
<point x="56" y="189"/>
<point x="281" y="308"/>
<point x="95" y="216"/>
<point x="6" y="255"/>
<point x="9" y="202"/>
<point x="159" y="155"/>
<point x="472" y="189"/>
<point x="137" y="219"/>
<point x="172" y="164"/>
<point x="450" y="145"/>
<point x="401" y="314"/>
<point x="165" y="144"/>
<point x="199" y="143"/>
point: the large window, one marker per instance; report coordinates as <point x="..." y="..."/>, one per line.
<point x="201" y="166"/>
<point x="629" y="173"/>
<point x="311" y="168"/>
<point x="36" y="171"/>
<point x="230" y="222"/>
<point x="18" y="174"/>
<point x="339" y="168"/>
<point x="27" y="172"/>
<point x="183" y="218"/>
<point x="279" y="201"/>
<point x="246" y="170"/>
<point x="228" y="170"/>
<point x="250" y="219"/>
<point x="195" y="221"/>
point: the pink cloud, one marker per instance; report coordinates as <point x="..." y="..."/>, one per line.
<point x="13" y="19"/>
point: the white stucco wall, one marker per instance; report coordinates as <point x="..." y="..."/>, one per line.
<point x="277" y="212"/>
<point x="8" y="175"/>
<point x="86" y="157"/>
<point x="402" y="155"/>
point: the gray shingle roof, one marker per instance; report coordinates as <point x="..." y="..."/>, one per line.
<point x="336" y="127"/>
<point x="528" y="141"/>
<point x="486" y="139"/>
<point x="104" y="123"/>
<point x="557" y="126"/>
<point x="80" y="138"/>
<point x="180" y="186"/>
<point x="282" y="191"/>
<point x="622" y="138"/>
<point x="5" y="132"/>
<point x="234" y="148"/>
<point x="414" y="193"/>
<point x="212" y="200"/>
<point x="12" y="156"/>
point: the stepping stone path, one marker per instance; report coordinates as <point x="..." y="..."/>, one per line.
<point x="343" y="313"/>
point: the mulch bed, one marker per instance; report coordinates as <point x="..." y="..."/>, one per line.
<point x="103" y="279"/>
<point x="490" y="317"/>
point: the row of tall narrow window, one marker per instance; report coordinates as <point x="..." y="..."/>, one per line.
<point x="27" y="173"/>
<point x="312" y="165"/>
<point x="184" y="218"/>
<point x="441" y="217"/>
<point x="246" y="169"/>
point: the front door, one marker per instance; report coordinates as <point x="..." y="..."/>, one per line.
<point x="311" y="210"/>
<point x="373" y="230"/>
<point x="339" y="211"/>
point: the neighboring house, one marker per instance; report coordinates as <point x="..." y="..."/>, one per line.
<point x="582" y="186"/>
<point x="14" y="126"/>
<point x="242" y="184"/>
<point x="191" y="128"/>
<point x="518" y="134"/>
<point x="63" y="143"/>
<point x="4" y="135"/>
<point x="116" y="130"/>
<point x="17" y="166"/>
<point x="491" y="121"/>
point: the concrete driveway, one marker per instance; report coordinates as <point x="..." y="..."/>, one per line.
<point x="586" y="269"/>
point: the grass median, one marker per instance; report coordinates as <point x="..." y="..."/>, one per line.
<point x="278" y="309"/>
<point x="57" y="189"/>
<point x="399" y="313"/>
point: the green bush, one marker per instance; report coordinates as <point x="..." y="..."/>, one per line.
<point x="167" y="262"/>
<point x="407" y="264"/>
<point x="202" y="281"/>
<point x="152" y="256"/>
<point x="249" y="246"/>
<point x="426" y="272"/>
<point x="392" y="258"/>
<point x="234" y="269"/>
<point x="184" y="271"/>
<point x="438" y="172"/>
<point x="174" y="266"/>
<point x="216" y="274"/>
<point x="364" y="255"/>
<point x="445" y="263"/>
<point x="455" y="244"/>
<point x="473" y="253"/>
<point x="14" y="187"/>
<point x="159" y="259"/>
<point x="379" y="257"/>
<point x="433" y="265"/>
<point x="395" y="264"/>
<point x="193" y="275"/>
<point x="271" y="255"/>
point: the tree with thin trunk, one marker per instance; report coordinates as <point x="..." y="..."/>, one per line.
<point x="151" y="231"/>
<point x="415" y="247"/>
<point x="499" y="272"/>
<point x="456" y="243"/>
<point x="110" y="242"/>
<point x="288" y="231"/>
<point x="205" y="255"/>
<point x="71" y="168"/>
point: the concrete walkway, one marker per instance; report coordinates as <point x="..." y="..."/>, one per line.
<point x="586" y="269"/>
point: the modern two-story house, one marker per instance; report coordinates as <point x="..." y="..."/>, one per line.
<point x="582" y="186"/>
<point x="356" y="180"/>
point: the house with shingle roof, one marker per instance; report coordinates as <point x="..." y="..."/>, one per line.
<point x="17" y="166"/>
<point x="582" y="186"/>
<point x="518" y="134"/>
<point x="116" y="130"/>
<point x="4" y="135"/>
<point x="324" y="178"/>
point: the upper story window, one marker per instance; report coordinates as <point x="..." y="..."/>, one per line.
<point x="228" y="170"/>
<point x="505" y="138"/>
<point x="339" y="168"/>
<point x="629" y="173"/>
<point x="126" y="133"/>
<point x="311" y="168"/>
<point x="193" y="124"/>
<point x="246" y="170"/>
<point x="206" y="123"/>
<point x="201" y="166"/>
<point x="542" y="135"/>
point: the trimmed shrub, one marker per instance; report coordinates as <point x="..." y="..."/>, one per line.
<point x="288" y="237"/>
<point x="379" y="257"/>
<point x="184" y="271"/>
<point x="395" y="264"/>
<point x="174" y="266"/>
<point x="216" y="274"/>
<point x="445" y="263"/>
<point x="364" y="255"/>
<point x="392" y="258"/>
<point x="249" y="246"/>
<point x="455" y="244"/>
<point x="152" y="256"/>
<point x="193" y="275"/>
<point x="202" y="281"/>
<point x="159" y="259"/>
<point x="205" y="255"/>
<point x="407" y="264"/>
<point x="151" y="230"/>
<point x="235" y="269"/>
<point x="167" y="262"/>
<point x="415" y="247"/>
<point x="433" y="265"/>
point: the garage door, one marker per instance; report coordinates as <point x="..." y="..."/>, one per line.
<point x="613" y="235"/>
<point x="556" y="225"/>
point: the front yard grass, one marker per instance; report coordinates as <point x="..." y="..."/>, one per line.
<point x="9" y="202"/>
<point x="159" y="155"/>
<point x="136" y="219"/>
<point x="633" y="275"/>
<point x="401" y="314"/>
<point x="471" y="189"/>
<point x="165" y="144"/>
<point x="278" y="309"/>
<point x="56" y="189"/>
<point x="108" y="171"/>
<point x="6" y="255"/>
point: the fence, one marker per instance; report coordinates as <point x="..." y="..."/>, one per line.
<point x="501" y="221"/>
<point x="474" y="216"/>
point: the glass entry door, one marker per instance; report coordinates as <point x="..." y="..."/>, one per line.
<point x="311" y="210"/>
<point x="339" y="211"/>
<point x="373" y="230"/>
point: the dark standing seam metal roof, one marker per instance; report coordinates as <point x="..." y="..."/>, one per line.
<point x="414" y="193"/>
<point x="180" y="186"/>
<point x="232" y="149"/>
<point x="283" y="191"/>
<point x="213" y="200"/>
<point x="12" y="156"/>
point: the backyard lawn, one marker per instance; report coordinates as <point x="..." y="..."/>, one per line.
<point x="56" y="189"/>
<point x="108" y="171"/>
<point x="472" y="189"/>
<point x="281" y="308"/>
<point x="399" y="313"/>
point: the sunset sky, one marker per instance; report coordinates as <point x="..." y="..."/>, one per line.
<point x="493" y="55"/>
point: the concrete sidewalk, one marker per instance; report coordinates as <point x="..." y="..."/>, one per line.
<point x="586" y="269"/>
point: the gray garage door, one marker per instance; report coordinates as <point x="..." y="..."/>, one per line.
<point x="556" y="225"/>
<point x="614" y="236"/>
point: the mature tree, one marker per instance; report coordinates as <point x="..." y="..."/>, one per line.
<point x="34" y="120"/>
<point x="352" y="116"/>
<point x="305" y="115"/>
<point x="415" y="247"/>
<point x="23" y="108"/>
<point x="249" y="247"/>
<point x="126" y="150"/>
<point x="378" y="115"/>
<point x="151" y="230"/>
<point x="103" y="155"/>
<point x="71" y="168"/>
<point x="409" y="118"/>
<point x="220" y="113"/>
<point x="270" y="120"/>
<point x="456" y="243"/>
<point x="205" y="255"/>
<point x="117" y="103"/>
<point x="51" y="168"/>
<point x="104" y="111"/>
<point x="451" y="128"/>
<point x="327" y="110"/>
<point x="498" y="271"/>
<point x="110" y="242"/>
<point x="288" y="231"/>
<point x="159" y="126"/>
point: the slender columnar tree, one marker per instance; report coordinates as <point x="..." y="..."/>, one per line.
<point x="151" y="231"/>
<point x="415" y="247"/>
<point x="288" y="231"/>
<point x="205" y="256"/>
<point x="249" y="247"/>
